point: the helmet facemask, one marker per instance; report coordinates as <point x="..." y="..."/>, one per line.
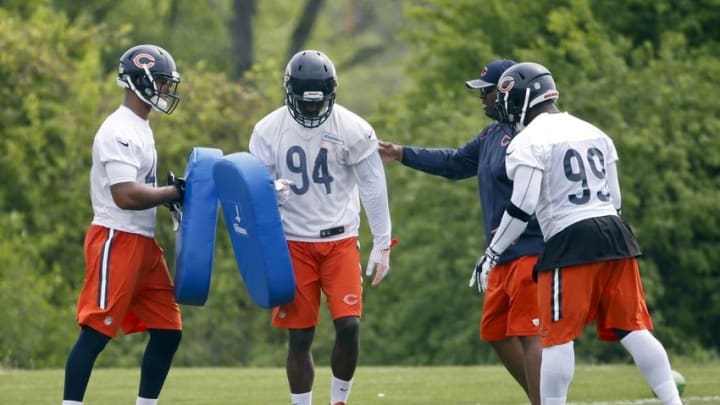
<point x="311" y="108"/>
<point x="159" y="91"/>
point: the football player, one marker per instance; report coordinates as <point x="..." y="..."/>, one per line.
<point x="564" y="171"/>
<point x="328" y="156"/>
<point x="509" y="317"/>
<point x="127" y="284"/>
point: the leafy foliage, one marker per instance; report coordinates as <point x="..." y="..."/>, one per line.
<point x="669" y="163"/>
<point x="650" y="87"/>
<point x="46" y="108"/>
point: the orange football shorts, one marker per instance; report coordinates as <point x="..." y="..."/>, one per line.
<point x="127" y="284"/>
<point x="330" y="267"/>
<point x="609" y="293"/>
<point x="510" y="307"/>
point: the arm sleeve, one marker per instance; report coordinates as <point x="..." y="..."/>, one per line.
<point x="115" y="148"/>
<point x="120" y="172"/>
<point x="525" y="195"/>
<point x="372" y="186"/>
<point x="258" y="148"/>
<point x="614" y="185"/>
<point x="119" y="155"/>
<point x="361" y="146"/>
<point x="454" y="164"/>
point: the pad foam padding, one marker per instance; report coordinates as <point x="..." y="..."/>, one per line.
<point x="250" y="207"/>
<point x="195" y="237"/>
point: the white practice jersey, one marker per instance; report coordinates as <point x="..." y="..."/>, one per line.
<point x="324" y="203"/>
<point x="573" y="156"/>
<point x="123" y="138"/>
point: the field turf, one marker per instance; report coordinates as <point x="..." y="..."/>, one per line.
<point x="478" y="385"/>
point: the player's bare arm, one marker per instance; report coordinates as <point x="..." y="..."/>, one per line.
<point x="135" y="196"/>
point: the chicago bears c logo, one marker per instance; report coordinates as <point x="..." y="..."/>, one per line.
<point x="142" y="60"/>
<point x="505" y="141"/>
<point x="351" y="299"/>
<point x="506" y="84"/>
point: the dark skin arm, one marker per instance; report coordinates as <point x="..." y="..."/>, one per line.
<point x="136" y="196"/>
<point x="390" y="152"/>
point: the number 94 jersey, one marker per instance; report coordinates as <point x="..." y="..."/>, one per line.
<point x="324" y="201"/>
<point x="573" y="156"/>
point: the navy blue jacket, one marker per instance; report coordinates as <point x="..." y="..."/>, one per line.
<point x="483" y="157"/>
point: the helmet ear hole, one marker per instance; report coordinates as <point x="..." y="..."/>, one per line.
<point x="146" y="85"/>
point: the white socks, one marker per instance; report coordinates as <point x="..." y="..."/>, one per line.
<point x="558" y="367"/>
<point x="71" y="403"/>
<point x="652" y="360"/>
<point x="556" y="372"/>
<point x="301" y="399"/>
<point x="339" y="390"/>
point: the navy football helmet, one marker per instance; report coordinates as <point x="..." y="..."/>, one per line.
<point x="522" y="87"/>
<point x="310" y="83"/>
<point x="150" y="72"/>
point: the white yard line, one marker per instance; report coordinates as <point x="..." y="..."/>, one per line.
<point x="687" y="400"/>
<point x="714" y="399"/>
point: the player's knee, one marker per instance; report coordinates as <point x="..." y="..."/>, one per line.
<point x="92" y="341"/>
<point x="166" y="340"/>
<point x="347" y="330"/>
<point x="621" y="333"/>
<point x="300" y="340"/>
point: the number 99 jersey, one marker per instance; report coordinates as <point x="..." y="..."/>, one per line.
<point x="573" y="155"/>
<point x="324" y="203"/>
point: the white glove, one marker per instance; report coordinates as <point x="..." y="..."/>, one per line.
<point x="282" y="190"/>
<point x="379" y="261"/>
<point x="176" y="213"/>
<point x="483" y="267"/>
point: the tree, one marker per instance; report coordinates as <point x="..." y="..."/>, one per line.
<point x="242" y="35"/>
<point x="304" y="26"/>
<point x="651" y="93"/>
<point x="640" y="94"/>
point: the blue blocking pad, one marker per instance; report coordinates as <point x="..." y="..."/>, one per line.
<point x="195" y="237"/>
<point x="250" y="208"/>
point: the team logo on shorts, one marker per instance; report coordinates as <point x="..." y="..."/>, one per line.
<point x="108" y="320"/>
<point x="351" y="299"/>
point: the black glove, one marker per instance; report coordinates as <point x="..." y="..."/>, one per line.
<point x="179" y="184"/>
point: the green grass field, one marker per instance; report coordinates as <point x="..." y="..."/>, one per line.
<point x="486" y="385"/>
